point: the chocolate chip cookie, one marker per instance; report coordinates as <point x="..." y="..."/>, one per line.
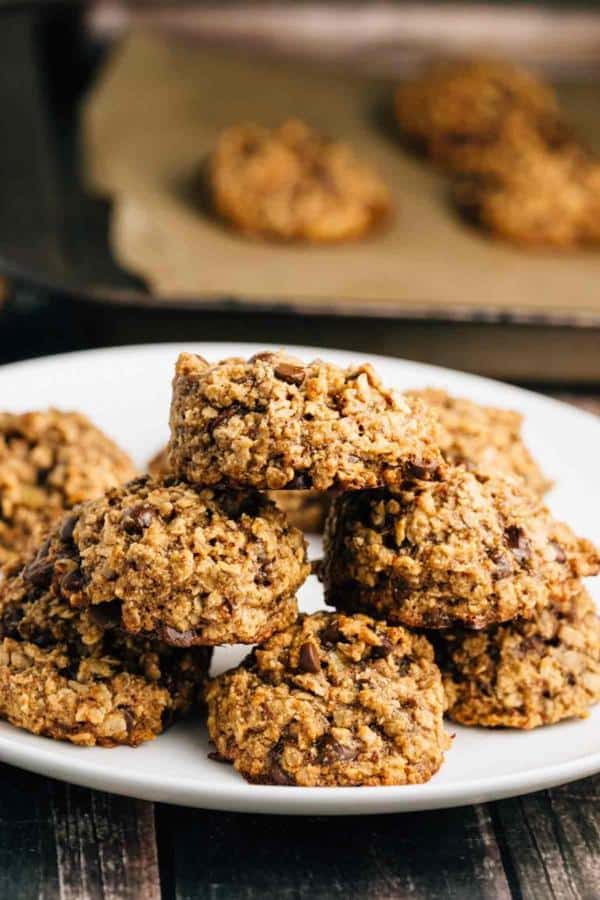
<point x="49" y="461"/>
<point x="274" y="422"/>
<point x="184" y="565"/>
<point x="71" y="674"/>
<point x="525" y="673"/>
<point x="482" y="438"/>
<point x="332" y="700"/>
<point x="470" y="550"/>
<point x="292" y="183"/>
<point x="533" y="191"/>
<point x="455" y="108"/>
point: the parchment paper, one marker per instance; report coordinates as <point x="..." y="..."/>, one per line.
<point x="152" y="118"/>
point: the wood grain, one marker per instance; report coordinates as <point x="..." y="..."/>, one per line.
<point x="550" y="842"/>
<point x="60" y="841"/>
<point x="446" y="854"/>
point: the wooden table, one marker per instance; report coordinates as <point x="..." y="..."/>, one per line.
<point x="59" y="841"/>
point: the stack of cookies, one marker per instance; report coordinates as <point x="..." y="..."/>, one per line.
<point x="453" y="586"/>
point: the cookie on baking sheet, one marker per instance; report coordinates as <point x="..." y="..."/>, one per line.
<point x="482" y="438"/>
<point x="185" y="565"/>
<point x="533" y="191"/>
<point x="470" y="550"/>
<point x="274" y="422"/>
<point x="71" y="674"/>
<point x="49" y="461"/>
<point x="454" y="108"/>
<point x="292" y="183"/>
<point x="332" y="700"/>
<point x="525" y="673"/>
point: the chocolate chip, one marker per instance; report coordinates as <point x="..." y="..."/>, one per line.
<point x="42" y="639"/>
<point x="137" y="518"/>
<point x="331" y="635"/>
<point x="178" y="638"/>
<point x="39" y="573"/>
<point x="383" y="649"/>
<point x="72" y="583"/>
<point x="308" y="658"/>
<point x="518" y="543"/>
<point x="223" y="416"/>
<point x="290" y="373"/>
<point x="106" y="615"/>
<point x="67" y="528"/>
<point x="277" y="775"/>
<point x="559" y="554"/>
<point x="43" y="551"/>
<point x="331" y="751"/>
<point x="421" y="469"/>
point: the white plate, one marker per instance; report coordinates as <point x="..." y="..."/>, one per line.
<point x="126" y="392"/>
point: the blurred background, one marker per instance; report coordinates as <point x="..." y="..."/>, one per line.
<point x="65" y="287"/>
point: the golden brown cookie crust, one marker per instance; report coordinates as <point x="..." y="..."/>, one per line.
<point x="274" y="422"/>
<point x="73" y="675"/>
<point x="50" y="461"/>
<point x="470" y="549"/>
<point x="332" y="700"/>
<point x="455" y="108"/>
<point x="524" y="674"/>
<point x="291" y="183"/>
<point x="483" y="438"/>
<point x="533" y="189"/>
<point x="185" y="565"/>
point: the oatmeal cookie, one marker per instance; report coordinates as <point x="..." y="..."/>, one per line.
<point x="71" y="674"/>
<point x="525" y="673"/>
<point x="185" y="565"/>
<point x="533" y="191"/>
<point x="470" y="550"/>
<point x="274" y="422"/>
<point x="333" y="700"/>
<point x="483" y="438"/>
<point x="455" y="108"/>
<point x="292" y="183"/>
<point x="49" y="461"/>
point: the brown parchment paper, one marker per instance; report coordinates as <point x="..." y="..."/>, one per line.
<point x="153" y="116"/>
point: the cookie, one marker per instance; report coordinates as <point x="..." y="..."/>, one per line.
<point x="293" y="184"/>
<point x="469" y="550"/>
<point x="71" y="674"/>
<point x="483" y="438"/>
<point x="455" y="108"/>
<point x="50" y="461"/>
<point x="306" y="510"/>
<point x="184" y="565"/>
<point x="274" y="422"/>
<point x="525" y="673"/>
<point x="332" y="700"/>
<point x="533" y="191"/>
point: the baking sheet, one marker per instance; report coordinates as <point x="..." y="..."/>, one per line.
<point x="154" y="115"/>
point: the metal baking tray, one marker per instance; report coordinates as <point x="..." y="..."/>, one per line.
<point x="53" y="234"/>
